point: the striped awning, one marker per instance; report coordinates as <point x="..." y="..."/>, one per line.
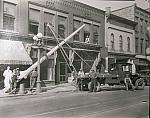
<point x="13" y="52"/>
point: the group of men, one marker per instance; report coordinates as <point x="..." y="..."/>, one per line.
<point x="93" y="76"/>
<point x="81" y="74"/>
<point x="11" y="79"/>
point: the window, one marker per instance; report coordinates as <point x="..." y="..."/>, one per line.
<point x="112" y="41"/>
<point x="86" y="32"/>
<point x="95" y="34"/>
<point x="121" y="43"/>
<point x="9" y="16"/>
<point x="141" y="25"/>
<point x="141" y="45"/>
<point x="146" y="45"/>
<point x="128" y="44"/>
<point x="137" y="26"/>
<point x="136" y="45"/>
<point x="76" y="25"/>
<point x="62" y="27"/>
<point x="48" y="18"/>
<point x="34" y="16"/>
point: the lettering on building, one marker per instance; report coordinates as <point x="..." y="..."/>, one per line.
<point x="50" y="4"/>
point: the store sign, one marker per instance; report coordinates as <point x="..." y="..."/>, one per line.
<point x="50" y="4"/>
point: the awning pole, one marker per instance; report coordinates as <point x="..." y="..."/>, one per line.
<point x="26" y="72"/>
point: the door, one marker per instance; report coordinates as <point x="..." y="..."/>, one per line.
<point x="62" y="72"/>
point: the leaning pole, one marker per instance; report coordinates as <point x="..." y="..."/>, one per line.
<point x="26" y="72"/>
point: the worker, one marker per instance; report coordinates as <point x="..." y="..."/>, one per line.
<point x="93" y="76"/>
<point x="128" y="82"/>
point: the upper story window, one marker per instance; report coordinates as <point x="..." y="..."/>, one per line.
<point x="48" y="19"/>
<point x="112" y="42"/>
<point x="76" y="25"/>
<point x="141" y="25"/>
<point x="95" y="34"/>
<point x="128" y="44"/>
<point x="62" y="26"/>
<point x="141" y="45"/>
<point x="86" y="30"/>
<point x="136" y="45"/>
<point x="34" y="18"/>
<point x="9" y="16"/>
<point x="121" y="43"/>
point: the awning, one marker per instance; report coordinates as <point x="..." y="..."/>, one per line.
<point x="13" y="52"/>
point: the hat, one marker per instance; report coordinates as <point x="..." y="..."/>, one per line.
<point x="17" y="68"/>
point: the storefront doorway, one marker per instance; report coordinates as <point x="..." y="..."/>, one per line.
<point x="62" y="72"/>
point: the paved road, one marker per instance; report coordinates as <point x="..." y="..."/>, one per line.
<point x="104" y="104"/>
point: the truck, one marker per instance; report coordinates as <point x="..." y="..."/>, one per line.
<point x="116" y="75"/>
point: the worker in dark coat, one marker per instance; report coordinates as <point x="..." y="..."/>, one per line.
<point x="93" y="76"/>
<point x="33" y="77"/>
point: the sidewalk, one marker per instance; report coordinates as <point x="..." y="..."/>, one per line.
<point x="52" y="89"/>
<point x="67" y="87"/>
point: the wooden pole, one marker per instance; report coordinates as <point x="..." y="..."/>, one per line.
<point x="26" y="72"/>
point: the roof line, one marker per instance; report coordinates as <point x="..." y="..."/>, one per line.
<point x="123" y="8"/>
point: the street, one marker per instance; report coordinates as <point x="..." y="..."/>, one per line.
<point x="104" y="104"/>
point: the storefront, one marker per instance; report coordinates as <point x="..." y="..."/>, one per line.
<point x="13" y="54"/>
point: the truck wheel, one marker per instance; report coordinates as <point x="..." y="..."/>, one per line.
<point x="98" y="86"/>
<point x="140" y="83"/>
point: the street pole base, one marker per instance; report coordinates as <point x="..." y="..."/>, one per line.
<point x="21" y="89"/>
<point x="38" y="87"/>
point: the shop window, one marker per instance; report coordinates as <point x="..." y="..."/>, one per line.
<point x="95" y="34"/>
<point x="86" y="32"/>
<point x="112" y="42"/>
<point x="9" y="16"/>
<point x="121" y="43"/>
<point x="48" y="19"/>
<point x="128" y="44"/>
<point x="76" y="25"/>
<point x="34" y="16"/>
<point x="62" y="27"/>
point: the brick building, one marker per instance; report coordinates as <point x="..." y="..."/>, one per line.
<point x="142" y="36"/>
<point x="22" y="19"/>
<point x="119" y="39"/>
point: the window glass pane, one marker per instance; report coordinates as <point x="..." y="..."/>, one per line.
<point x="62" y="27"/>
<point x="33" y="28"/>
<point x="9" y="16"/>
<point x="76" y="25"/>
<point x="9" y="9"/>
<point x="112" y="41"/>
<point x="34" y="15"/>
<point x="95" y="34"/>
<point x="121" y="43"/>
<point x="128" y="44"/>
<point x="86" y="32"/>
<point x="48" y="18"/>
<point x="8" y="22"/>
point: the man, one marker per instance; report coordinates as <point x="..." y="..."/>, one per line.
<point x="33" y="77"/>
<point x="93" y="76"/>
<point x="128" y="82"/>
<point x="7" y="81"/>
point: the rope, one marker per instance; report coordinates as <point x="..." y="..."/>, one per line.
<point x="62" y="50"/>
<point x="71" y="48"/>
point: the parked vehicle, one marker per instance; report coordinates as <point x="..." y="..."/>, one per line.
<point x="145" y="74"/>
<point x="115" y="76"/>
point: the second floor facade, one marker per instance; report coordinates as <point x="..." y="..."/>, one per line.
<point x="120" y="35"/>
<point x="28" y="17"/>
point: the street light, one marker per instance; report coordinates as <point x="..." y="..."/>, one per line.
<point x="38" y="43"/>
